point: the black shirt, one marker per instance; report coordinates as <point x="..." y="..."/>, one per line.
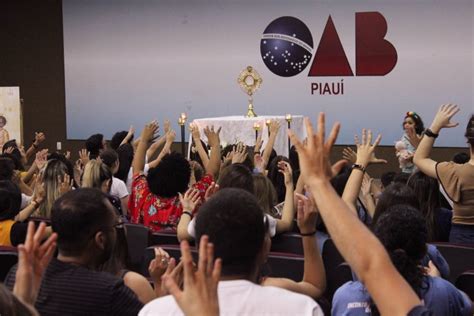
<point x="68" y="289"/>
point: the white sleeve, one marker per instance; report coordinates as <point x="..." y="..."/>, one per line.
<point x="272" y="224"/>
<point x="25" y="200"/>
<point x="192" y="228"/>
<point x="119" y="188"/>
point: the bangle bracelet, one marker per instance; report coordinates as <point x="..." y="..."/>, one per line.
<point x="358" y="167"/>
<point x="429" y="133"/>
<point x="308" y="234"/>
<point x="188" y="213"/>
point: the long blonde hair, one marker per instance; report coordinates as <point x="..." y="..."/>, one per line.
<point x="54" y="169"/>
<point x="265" y="193"/>
<point x="95" y="173"/>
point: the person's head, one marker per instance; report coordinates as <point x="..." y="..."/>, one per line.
<point x="470" y="132"/>
<point x="265" y="193"/>
<point x="3" y="121"/>
<point x="95" y="144"/>
<point x="15" y="155"/>
<point x="401" y="177"/>
<point x="118" y="138"/>
<point x="461" y="158"/>
<point x="67" y="162"/>
<point x="111" y="159"/>
<point x="97" y="175"/>
<point x="7" y="166"/>
<point x="395" y="194"/>
<point x="235" y="225"/>
<point x="53" y="174"/>
<point x="85" y="222"/>
<point x="339" y="181"/>
<point x="426" y="189"/>
<point x="10" y="200"/>
<point x="277" y="178"/>
<point x="125" y="155"/>
<point x="170" y="177"/>
<point x="236" y="176"/>
<point x="413" y="120"/>
<point x="248" y="160"/>
<point x="387" y="178"/>
<point x="402" y="231"/>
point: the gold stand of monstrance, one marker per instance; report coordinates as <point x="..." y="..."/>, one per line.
<point x="249" y="80"/>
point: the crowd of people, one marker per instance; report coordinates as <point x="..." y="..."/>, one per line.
<point x="231" y="202"/>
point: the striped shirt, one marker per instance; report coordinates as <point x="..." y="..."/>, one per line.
<point x="68" y="289"/>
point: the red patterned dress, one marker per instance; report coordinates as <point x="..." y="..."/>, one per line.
<point x="158" y="212"/>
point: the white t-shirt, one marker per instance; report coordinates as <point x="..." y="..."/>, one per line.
<point x="25" y="200"/>
<point x="272" y="223"/>
<point x="118" y="188"/>
<point x="242" y="297"/>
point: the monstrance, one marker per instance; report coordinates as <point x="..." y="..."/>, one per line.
<point x="249" y="80"/>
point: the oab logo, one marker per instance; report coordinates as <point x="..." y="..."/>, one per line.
<point x="287" y="49"/>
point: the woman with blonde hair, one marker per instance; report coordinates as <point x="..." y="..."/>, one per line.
<point x="56" y="181"/>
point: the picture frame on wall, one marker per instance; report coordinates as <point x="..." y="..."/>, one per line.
<point x="11" y="121"/>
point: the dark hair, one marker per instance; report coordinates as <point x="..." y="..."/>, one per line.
<point x="109" y="157"/>
<point x="339" y="181"/>
<point x="470" y="131"/>
<point x="402" y="231"/>
<point x="461" y="158"/>
<point x="401" y="177"/>
<point x="120" y="258"/>
<point x="125" y="155"/>
<point x="15" y="155"/>
<point x="10" y="200"/>
<point x="387" y="178"/>
<point x="94" y="145"/>
<point x="419" y="126"/>
<point x="7" y="166"/>
<point x="118" y="138"/>
<point x="395" y="194"/>
<point x="236" y="176"/>
<point x="77" y="215"/>
<point x="294" y="160"/>
<point x="248" y="160"/>
<point x="277" y="178"/>
<point x="4" y="119"/>
<point x="234" y="223"/>
<point x="170" y="177"/>
<point x="427" y="191"/>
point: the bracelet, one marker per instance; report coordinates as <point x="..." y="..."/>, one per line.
<point x="188" y="213"/>
<point x="429" y="133"/>
<point x="308" y="234"/>
<point x="358" y="167"/>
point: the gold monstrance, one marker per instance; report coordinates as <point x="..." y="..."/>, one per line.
<point x="249" y="80"/>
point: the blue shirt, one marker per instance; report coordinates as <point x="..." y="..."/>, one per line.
<point x="439" y="296"/>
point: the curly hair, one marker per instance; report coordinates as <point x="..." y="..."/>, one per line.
<point x="170" y="177"/>
<point x="395" y="194"/>
<point x="419" y="126"/>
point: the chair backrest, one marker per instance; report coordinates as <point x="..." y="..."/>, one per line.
<point x="465" y="282"/>
<point x="173" y="250"/>
<point x="285" y="265"/>
<point x="137" y="241"/>
<point x="163" y="238"/>
<point x="287" y="243"/>
<point x="8" y="258"/>
<point x="459" y="257"/>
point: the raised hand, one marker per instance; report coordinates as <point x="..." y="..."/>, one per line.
<point x="443" y="117"/>
<point x="170" y="136"/>
<point x="413" y="137"/>
<point x="213" y="188"/>
<point x="194" y="129"/>
<point x="39" y="138"/>
<point x="365" y="149"/>
<point x="314" y="156"/>
<point x="149" y="131"/>
<point x="349" y="154"/>
<point x="33" y="258"/>
<point x="41" y="158"/>
<point x="285" y="169"/>
<point x="199" y="295"/>
<point x="239" y="153"/>
<point x="160" y="264"/>
<point x="258" y="162"/>
<point x="190" y="199"/>
<point x="274" y="127"/>
<point x="212" y="136"/>
<point x="307" y="214"/>
<point x="84" y="156"/>
<point x="65" y="184"/>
